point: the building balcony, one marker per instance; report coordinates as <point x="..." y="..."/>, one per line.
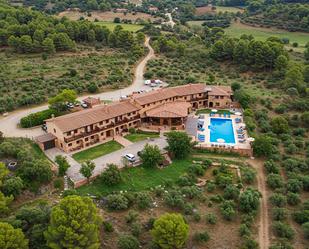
<point x="97" y="129"/>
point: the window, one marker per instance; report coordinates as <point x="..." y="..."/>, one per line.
<point x="61" y="145"/>
<point x="75" y="131"/>
<point x="86" y="139"/>
<point x="101" y="122"/>
<point x="69" y="133"/>
<point x="92" y="137"/>
<point x="70" y="144"/>
<point x="217" y="104"/>
<point x="102" y="133"/>
<point x="78" y="141"/>
<point x="54" y="130"/>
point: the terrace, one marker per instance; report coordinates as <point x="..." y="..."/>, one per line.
<point x="223" y="131"/>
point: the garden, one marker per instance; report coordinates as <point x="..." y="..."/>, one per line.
<point x="97" y="151"/>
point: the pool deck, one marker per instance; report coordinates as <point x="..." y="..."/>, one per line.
<point x="226" y="146"/>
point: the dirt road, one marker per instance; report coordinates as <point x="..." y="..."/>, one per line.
<point x="263" y="239"/>
<point x="9" y="124"/>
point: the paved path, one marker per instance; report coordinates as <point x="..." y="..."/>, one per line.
<point x="9" y="124"/>
<point x="123" y="141"/>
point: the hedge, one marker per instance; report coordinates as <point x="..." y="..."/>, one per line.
<point x="35" y="119"/>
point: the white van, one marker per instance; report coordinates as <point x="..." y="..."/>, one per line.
<point x="131" y="158"/>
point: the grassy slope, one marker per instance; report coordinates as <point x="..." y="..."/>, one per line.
<point x="97" y="151"/>
<point x="237" y="29"/>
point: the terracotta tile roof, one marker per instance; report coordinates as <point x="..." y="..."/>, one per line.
<point x="45" y="138"/>
<point x="153" y="96"/>
<point x="91" y="116"/>
<point x="220" y="90"/>
<point x="170" y="110"/>
<point x="92" y="101"/>
<point x="165" y="93"/>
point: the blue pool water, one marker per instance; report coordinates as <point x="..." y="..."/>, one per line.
<point x="221" y="128"/>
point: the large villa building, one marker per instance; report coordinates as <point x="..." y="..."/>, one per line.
<point x="166" y="107"/>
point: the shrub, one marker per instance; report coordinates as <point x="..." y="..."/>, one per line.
<point x="283" y="230"/>
<point x="191" y="191"/>
<point x="174" y="199"/>
<point x="250" y="243"/>
<point x="58" y="183"/>
<point x="12" y="186"/>
<point x="248" y="175"/>
<point x="274" y="181"/>
<point x="211" y="218"/>
<point x="279" y="214"/>
<point x="294" y="185"/>
<point x="143" y="200"/>
<point x="127" y="242"/>
<point x="271" y="167"/>
<point x="210" y="186"/>
<point x="293" y="198"/>
<point x="244" y="230"/>
<point x="107" y="226"/>
<point x="117" y="202"/>
<point x="249" y="200"/>
<point x="278" y="200"/>
<point x="227" y="209"/>
<point x="186" y="180"/>
<point x="305" y="228"/>
<point x="69" y="192"/>
<point x="111" y="176"/>
<point x="201" y="237"/>
<point x="196" y="170"/>
<point x="231" y="192"/>
<point x="136" y="229"/>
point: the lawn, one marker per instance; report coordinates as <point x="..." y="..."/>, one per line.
<point x="139" y="179"/>
<point x="129" y="27"/>
<point x="97" y="151"/>
<point x="136" y="137"/>
<point x="237" y="29"/>
<point x="205" y="111"/>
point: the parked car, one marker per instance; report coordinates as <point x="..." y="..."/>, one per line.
<point x="70" y="105"/>
<point x="131" y="158"/>
<point x="123" y="97"/>
<point x="84" y="105"/>
<point x="44" y="127"/>
<point x="147" y="82"/>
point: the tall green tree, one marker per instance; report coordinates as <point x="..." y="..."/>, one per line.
<point x="11" y="238"/>
<point x="179" y="144"/>
<point x="74" y="223"/>
<point x="59" y="101"/>
<point x="87" y="169"/>
<point x="151" y="155"/>
<point x="262" y="146"/>
<point x="170" y="231"/>
<point x="249" y="200"/>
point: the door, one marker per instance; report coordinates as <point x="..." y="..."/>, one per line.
<point x="49" y="145"/>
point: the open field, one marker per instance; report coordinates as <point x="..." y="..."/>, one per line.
<point x="129" y="27"/>
<point x="97" y="151"/>
<point x="107" y="16"/>
<point x="208" y="9"/>
<point x="237" y="29"/>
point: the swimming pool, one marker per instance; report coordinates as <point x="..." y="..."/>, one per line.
<point x="221" y="128"/>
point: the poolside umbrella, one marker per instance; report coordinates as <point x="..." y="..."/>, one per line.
<point x="220" y="140"/>
<point x="251" y="139"/>
<point x="238" y="113"/>
<point x="214" y="110"/>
